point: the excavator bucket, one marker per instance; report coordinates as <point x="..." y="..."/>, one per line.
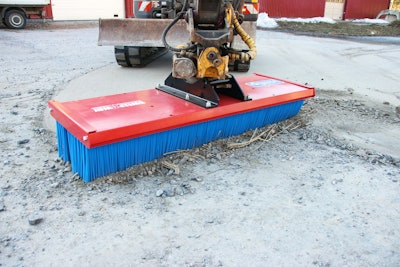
<point x="129" y="32"/>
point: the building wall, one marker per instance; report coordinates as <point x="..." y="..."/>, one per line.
<point x="359" y="9"/>
<point x="334" y="9"/>
<point x="293" y="8"/>
<point x="88" y="9"/>
<point x="352" y="9"/>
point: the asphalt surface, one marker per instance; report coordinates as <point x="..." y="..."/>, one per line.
<point x="366" y="68"/>
<point x="324" y="63"/>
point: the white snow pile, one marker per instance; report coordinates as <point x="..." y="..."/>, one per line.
<point x="371" y="21"/>
<point x="264" y="21"/>
<point x="308" y="20"/>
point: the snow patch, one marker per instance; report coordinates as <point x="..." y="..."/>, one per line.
<point x="308" y="20"/>
<point x="264" y="21"/>
<point x="371" y="21"/>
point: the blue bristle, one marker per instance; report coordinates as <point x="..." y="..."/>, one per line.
<point x="100" y="161"/>
<point x="62" y="140"/>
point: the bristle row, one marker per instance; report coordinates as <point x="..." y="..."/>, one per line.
<point x="100" y="161"/>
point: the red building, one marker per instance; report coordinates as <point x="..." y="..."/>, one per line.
<point x="336" y="9"/>
<point x="343" y="9"/>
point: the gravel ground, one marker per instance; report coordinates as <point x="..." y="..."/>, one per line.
<point x="305" y="196"/>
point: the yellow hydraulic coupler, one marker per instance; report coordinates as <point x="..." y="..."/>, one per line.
<point x="211" y="64"/>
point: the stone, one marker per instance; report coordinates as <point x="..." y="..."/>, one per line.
<point x="35" y="219"/>
<point x="159" y="192"/>
<point x="23" y="141"/>
<point x="169" y="192"/>
<point x="2" y="207"/>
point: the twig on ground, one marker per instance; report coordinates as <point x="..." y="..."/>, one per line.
<point x="171" y="166"/>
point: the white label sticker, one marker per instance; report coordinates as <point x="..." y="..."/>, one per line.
<point x="118" y="105"/>
<point x="264" y="83"/>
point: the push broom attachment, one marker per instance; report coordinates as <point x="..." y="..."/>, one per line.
<point x="199" y="102"/>
<point x="104" y="135"/>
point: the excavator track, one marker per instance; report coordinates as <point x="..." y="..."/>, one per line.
<point x="239" y="66"/>
<point x="134" y="56"/>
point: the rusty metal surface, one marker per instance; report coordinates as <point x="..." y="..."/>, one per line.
<point x="148" y="32"/>
<point x="140" y="32"/>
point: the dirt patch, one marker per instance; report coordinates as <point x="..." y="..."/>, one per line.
<point x="53" y="25"/>
<point x="354" y="125"/>
<point x="341" y="28"/>
<point x="39" y="24"/>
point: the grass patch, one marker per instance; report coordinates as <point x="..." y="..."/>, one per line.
<point x="342" y="28"/>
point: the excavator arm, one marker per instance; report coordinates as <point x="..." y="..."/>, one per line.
<point x="206" y="38"/>
<point x="200" y="69"/>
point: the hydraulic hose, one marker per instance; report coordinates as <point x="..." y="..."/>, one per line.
<point x="239" y="5"/>
<point x="244" y="56"/>
<point x="172" y="23"/>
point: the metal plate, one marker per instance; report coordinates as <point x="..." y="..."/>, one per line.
<point x="148" y="33"/>
<point x="141" y="32"/>
<point x="104" y="120"/>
